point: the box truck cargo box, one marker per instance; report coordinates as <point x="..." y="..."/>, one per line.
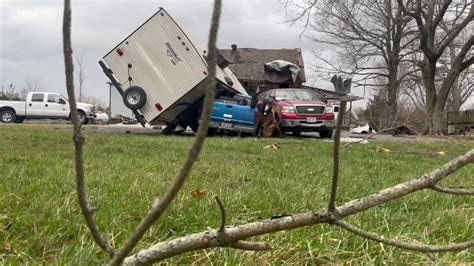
<point x="160" y="71"/>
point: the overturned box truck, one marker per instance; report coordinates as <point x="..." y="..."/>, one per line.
<point x="160" y="73"/>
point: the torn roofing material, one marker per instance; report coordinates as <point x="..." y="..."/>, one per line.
<point x="248" y="63"/>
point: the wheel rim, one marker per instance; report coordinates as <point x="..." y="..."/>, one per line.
<point x="133" y="98"/>
<point x="7" y="117"/>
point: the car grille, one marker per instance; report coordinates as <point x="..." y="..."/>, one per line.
<point x="310" y="110"/>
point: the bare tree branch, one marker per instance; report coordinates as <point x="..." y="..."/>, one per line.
<point x="335" y="171"/>
<point x="453" y="191"/>
<point x="404" y="245"/>
<point x="160" y="205"/>
<point x="223" y="214"/>
<point x="77" y="137"/>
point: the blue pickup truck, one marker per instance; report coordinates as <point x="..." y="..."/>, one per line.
<point x="234" y="114"/>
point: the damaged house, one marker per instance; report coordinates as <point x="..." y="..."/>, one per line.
<point x="266" y="68"/>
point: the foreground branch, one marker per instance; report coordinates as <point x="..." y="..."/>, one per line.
<point x="208" y="239"/>
<point x="404" y="245"/>
<point x="160" y="205"/>
<point x="453" y="191"/>
<point x="335" y="168"/>
<point x="77" y="137"/>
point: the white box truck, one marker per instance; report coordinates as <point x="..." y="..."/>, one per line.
<point x="160" y="71"/>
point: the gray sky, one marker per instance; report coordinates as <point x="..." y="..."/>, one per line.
<point x="31" y="37"/>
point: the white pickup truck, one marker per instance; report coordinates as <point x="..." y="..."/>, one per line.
<point x="41" y="105"/>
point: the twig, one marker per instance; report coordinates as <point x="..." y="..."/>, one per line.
<point x="405" y="245"/>
<point x="77" y="135"/>
<point x="403" y="189"/>
<point x="453" y="191"/>
<point x="223" y="214"/>
<point x="208" y="239"/>
<point x="160" y="205"/>
<point x="337" y="142"/>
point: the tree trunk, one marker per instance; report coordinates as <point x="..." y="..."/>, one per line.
<point x="429" y="72"/>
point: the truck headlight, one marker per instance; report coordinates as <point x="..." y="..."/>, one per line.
<point x="287" y="109"/>
<point x="329" y="109"/>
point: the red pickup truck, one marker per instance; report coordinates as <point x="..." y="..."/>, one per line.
<point x="300" y="110"/>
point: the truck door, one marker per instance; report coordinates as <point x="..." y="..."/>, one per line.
<point x="56" y="106"/>
<point x="35" y="105"/>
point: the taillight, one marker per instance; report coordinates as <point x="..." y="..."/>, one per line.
<point x="158" y="106"/>
<point x="119" y="51"/>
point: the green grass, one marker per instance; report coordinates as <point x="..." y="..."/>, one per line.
<point x="40" y="220"/>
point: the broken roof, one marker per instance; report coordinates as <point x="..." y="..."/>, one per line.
<point x="332" y="95"/>
<point x="248" y="63"/>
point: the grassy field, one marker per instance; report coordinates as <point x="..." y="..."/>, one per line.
<point x="40" y="221"/>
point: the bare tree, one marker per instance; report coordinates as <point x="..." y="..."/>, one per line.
<point x="371" y="37"/>
<point x="81" y="75"/>
<point x="433" y="42"/>
<point x="30" y="86"/>
<point x="234" y="237"/>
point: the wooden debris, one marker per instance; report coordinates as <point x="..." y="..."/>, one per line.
<point x="421" y="153"/>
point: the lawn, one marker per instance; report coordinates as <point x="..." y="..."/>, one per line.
<point x="40" y="221"/>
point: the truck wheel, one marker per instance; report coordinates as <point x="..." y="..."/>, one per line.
<point x="134" y="97"/>
<point x="7" y="116"/>
<point x="169" y="129"/>
<point x="326" y="134"/>
<point x="20" y="119"/>
<point x="82" y="118"/>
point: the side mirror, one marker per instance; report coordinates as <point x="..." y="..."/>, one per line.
<point x="61" y="101"/>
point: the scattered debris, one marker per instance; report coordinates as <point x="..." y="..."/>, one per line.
<point x="422" y="153"/>
<point x="277" y="146"/>
<point x="354" y="140"/>
<point x="198" y="193"/>
<point x="272" y="146"/>
<point x="269" y="123"/>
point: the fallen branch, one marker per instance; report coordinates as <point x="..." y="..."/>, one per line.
<point x="421" y="153"/>
<point x="405" y="245"/>
<point x="453" y="191"/>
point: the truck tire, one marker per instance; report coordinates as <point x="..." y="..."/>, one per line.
<point x="82" y="117"/>
<point x="20" y="119"/>
<point x="134" y="97"/>
<point x="326" y="134"/>
<point x="7" y="116"/>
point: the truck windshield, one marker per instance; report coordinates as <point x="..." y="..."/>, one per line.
<point x="64" y="97"/>
<point x="296" y="95"/>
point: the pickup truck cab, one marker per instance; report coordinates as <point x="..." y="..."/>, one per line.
<point x="299" y="110"/>
<point x="42" y="105"/>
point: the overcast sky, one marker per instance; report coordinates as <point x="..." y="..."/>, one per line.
<point x="31" y="37"/>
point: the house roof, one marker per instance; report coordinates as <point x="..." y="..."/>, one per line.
<point x="332" y="95"/>
<point x="248" y="63"/>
